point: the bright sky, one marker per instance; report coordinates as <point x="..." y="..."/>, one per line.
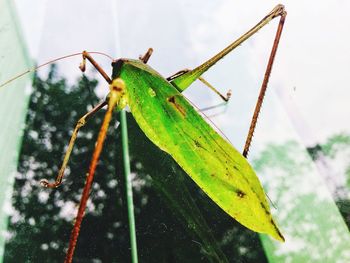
<point x="308" y="92"/>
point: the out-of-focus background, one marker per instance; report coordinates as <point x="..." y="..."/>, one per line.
<point x="300" y="148"/>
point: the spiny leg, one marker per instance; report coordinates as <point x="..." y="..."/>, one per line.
<point x="88" y="183"/>
<point x="264" y="85"/>
<point x="80" y="123"/>
<point x="117" y="88"/>
<point x="182" y="80"/>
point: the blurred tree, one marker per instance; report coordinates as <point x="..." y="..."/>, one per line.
<point x="170" y="225"/>
<point x="337" y="151"/>
<point x="311" y="210"/>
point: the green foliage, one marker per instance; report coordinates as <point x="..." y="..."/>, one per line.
<point x="336" y="143"/>
<point x="337" y="149"/>
<point x="314" y="227"/>
<point x="175" y="220"/>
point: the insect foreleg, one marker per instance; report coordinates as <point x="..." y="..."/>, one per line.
<point x="79" y="124"/>
<point x="117" y="88"/>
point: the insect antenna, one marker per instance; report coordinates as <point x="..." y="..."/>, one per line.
<point x="51" y="62"/>
<point x="272" y="203"/>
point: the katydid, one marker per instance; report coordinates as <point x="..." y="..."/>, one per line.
<point x="172" y="124"/>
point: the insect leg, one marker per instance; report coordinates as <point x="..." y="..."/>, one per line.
<point x="80" y="123"/>
<point x="183" y="81"/>
<point x="264" y="86"/>
<point x="206" y="83"/>
<point x="225" y="98"/>
<point x="146" y="56"/>
<point x="82" y="66"/>
<point x="115" y="94"/>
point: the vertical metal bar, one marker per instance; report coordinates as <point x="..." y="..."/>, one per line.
<point x="129" y="197"/>
<point x="126" y="158"/>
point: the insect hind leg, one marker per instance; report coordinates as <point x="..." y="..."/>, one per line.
<point x="279" y="10"/>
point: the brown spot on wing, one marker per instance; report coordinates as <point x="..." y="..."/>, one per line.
<point x="240" y="193"/>
<point x="178" y="107"/>
<point x="197" y="143"/>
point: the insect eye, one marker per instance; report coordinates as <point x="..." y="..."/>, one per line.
<point x="117" y="65"/>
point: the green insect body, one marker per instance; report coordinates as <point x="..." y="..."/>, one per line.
<point x="171" y="123"/>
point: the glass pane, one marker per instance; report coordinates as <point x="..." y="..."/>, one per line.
<point x="300" y="148"/>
